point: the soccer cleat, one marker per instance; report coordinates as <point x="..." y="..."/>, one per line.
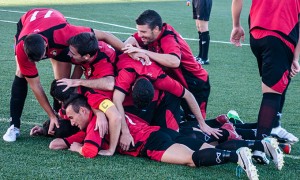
<point x="283" y="135"/>
<point x="234" y="117"/>
<point x="286" y="148"/>
<point x="233" y="135"/>
<point x="272" y="150"/>
<point x="260" y="157"/>
<point x="11" y="134"/>
<point x="245" y="162"/>
<point x="222" y="119"/>
<point x="201" y="61"/>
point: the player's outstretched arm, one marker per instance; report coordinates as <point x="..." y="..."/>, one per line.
<point x="40" y="95"/>
<point x="125" y="139"/>
<point x="109" y="39"/>
<point x="237" y="34"/>
<point x="194" y="107"/>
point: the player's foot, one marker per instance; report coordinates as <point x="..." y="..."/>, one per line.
<point x="222" y="119"/>
<point x="285" y="147"/>
<point x="234" y="117"/>
<point x="11" y="134"/>
<point x="260" y="157"/>
<point x="272" y="150"/>
<point x="283" y="135"/>
<point x="245" y="162"/>
<point x="201" y="61"/>
<point x="233" y="135"/>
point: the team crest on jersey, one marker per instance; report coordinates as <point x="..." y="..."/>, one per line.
<point x="88" y="72"/>
<point x="54" y="52"/>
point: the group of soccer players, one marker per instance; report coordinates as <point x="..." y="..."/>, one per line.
<point x="133" y="92"/>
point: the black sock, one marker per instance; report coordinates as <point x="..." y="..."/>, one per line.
<point x="205" y="45"/>
<point x="213" y="123"/>
<point x="18" y="95"/>
<point x="267" y="113"/>
<point x="232" y="145"/>
<point x="200" y="44"/>
<point x="276" y="122"/>
<point x="246" y="126"/>
<point x="212" y="156"/>
<point x="248" y="134"/>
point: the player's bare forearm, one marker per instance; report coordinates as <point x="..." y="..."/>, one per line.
<point x="105" y="83"/>
<point x="236" y="9"/>
<point x="114" y="118"/>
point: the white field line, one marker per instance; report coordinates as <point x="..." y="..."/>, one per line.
<point x="22" y="122"/>
<point x="116" y="25"/>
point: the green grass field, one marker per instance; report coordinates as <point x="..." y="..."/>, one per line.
<point x="234" y="80"/>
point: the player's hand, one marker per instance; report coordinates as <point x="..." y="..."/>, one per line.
<point x="53" y="123"/>
<point x="142" y="57"/>
<point x="237" y="36"/>
<point x="210" y="131"/>
<point x="295" y="68"/>
<point x="68" y="82"/>
<point x="101" y="124"/>
<point x="106" y="153"/>
<point x="129" y="48"/>
<point x="75" y="147"/>
<point x="36" y="131"/>
<point x="125" y="140"/>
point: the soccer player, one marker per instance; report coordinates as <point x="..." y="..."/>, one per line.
<point x="274" y="40"/>
<point x="42" y="33"/>
<point x="163" y="44"/>
<point x="201" y="13"/>
<point x="129" y="70"/>
<point x="150" y="141"/>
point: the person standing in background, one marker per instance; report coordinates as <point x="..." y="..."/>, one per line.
<point x="201" y="13"/>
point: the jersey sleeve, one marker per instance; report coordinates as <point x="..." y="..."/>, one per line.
<point x="166" y="83"/>
<point x="170" y="45"/>
<point x="125" y="80"/>
<point x="27" y="68"/>
<point x="78" y="137"/>
<point x="102" y="69"/>
<point x="92" y="141"/>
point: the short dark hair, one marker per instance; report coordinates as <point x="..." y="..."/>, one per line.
<point x="34" y="47"/>
<point x="57" y="91"/>
<point x="142" y="93"/>
<point x="76" y="101"/>
<point x="85" y="43"/>
<point x="150" y="18"/>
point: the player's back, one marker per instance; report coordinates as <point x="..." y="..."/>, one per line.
<point x="40" y="19"/>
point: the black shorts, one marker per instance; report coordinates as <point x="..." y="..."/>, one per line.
<point x="159" y="141"/>
<point x="167" y="113"/>
<point x="201" y="90"/>
<point x="201" y="9"/>
<point x="274" y="59"/>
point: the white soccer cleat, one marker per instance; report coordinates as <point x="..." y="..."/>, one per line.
<point x="283" y="135"/>
<point x="245" y="162"/>
<point x="11" y="134"/>
<point x="273" y="151"/>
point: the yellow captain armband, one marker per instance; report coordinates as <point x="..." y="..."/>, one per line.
<point x="105" y="105"/>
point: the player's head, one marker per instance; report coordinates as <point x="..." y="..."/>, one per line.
<point x="142" y="92"/>
<point x="35" y="47"/>
<point x="149" y="25"/>
<point x="83" y="46"/>
<point x="57" y="91"/>
<point x="77" y="110"/>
